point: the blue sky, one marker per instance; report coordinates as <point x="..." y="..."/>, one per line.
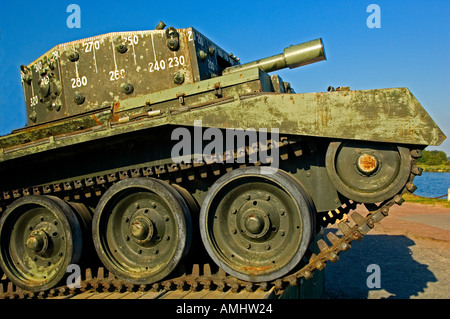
<point x="411" y="49"/>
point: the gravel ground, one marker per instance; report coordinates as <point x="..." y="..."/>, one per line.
<point x="411" y="247"/>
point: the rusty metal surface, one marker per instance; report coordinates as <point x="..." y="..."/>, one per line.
<point x="383" y="115"/>
<point x="65" y="81"/>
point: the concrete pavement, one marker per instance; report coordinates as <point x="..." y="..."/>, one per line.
<point x="411" y="247"/>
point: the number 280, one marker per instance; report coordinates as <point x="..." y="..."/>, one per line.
<point x="79" y="82"/>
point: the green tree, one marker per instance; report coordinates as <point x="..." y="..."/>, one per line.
<point x="433" y="158"/>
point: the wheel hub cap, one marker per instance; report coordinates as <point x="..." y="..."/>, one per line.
<point x="255" y="223"/>
<point x="142" y="228"/>
<point x="367" y="163"/>
<point x="37" y="241"/>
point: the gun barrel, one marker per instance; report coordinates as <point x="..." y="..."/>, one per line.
<point x="292" y="57"/>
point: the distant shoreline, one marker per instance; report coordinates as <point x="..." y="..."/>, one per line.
<point x="411" y="198"/>
<point x="435" y="169"/>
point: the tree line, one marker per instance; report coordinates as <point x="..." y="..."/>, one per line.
<point x="434" y="158"/>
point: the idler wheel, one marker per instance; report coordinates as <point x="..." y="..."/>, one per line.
<point x="142" y="229"/>
<point x="256" y="223"/>
<point x="39" y="237"/>
<point x="367" y="172"/>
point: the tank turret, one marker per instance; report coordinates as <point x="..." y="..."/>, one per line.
<point x="65" y="81"/>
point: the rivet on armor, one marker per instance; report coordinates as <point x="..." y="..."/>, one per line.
<point x="121" y="48"/>
<point x="202" y="55"/>
<point x="172" y="39"/>
<point x="33" y="117"/>
<point x="78" y="98"/>
<point x="127" y="88"/>
<point x="27" y="76"/>
<point x="73" y="56"/>
<point x="178" y="77"/>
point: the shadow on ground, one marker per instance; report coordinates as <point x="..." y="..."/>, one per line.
<point x="401" y="277"/>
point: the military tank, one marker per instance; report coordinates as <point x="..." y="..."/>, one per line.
<point x="149" y="152"/>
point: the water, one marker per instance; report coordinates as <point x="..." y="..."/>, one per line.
<point x="432" y="184"/>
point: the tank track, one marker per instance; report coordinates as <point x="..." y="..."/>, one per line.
<point x="195" y="281"/>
